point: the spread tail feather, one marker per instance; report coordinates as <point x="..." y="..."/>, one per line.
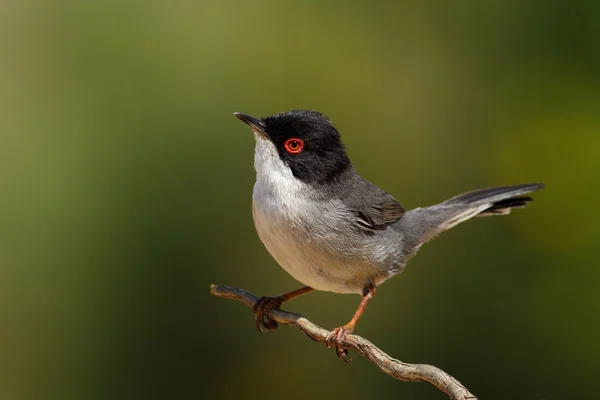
<point x="423" y="224"/>
<point x="493" y="195"/>
<point x="503" y="207"/>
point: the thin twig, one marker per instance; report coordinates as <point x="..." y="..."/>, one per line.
<point x="395" y="368"/>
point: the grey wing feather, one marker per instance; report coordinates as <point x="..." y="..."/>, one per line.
<point x="374" y="208"/>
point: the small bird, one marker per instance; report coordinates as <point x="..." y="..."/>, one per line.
<point x="330" y="228"/>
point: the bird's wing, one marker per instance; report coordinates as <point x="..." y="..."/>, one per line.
<point x="374" y="208"/>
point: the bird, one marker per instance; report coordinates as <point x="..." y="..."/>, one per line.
<point x="333" y="230"/>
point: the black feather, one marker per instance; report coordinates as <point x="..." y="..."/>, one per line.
<point x="504" y="206"/>
<point x="324" y="156"/>
<point x="489" y="194"/>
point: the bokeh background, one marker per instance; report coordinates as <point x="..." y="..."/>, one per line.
<point x="125" y="191"/>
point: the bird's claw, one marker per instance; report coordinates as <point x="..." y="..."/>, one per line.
<point x="261" y="309"/>
<point x="336" y="338"/>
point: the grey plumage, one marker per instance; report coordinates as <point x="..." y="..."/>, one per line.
<point x="423" y="224"/>
<point x="330" y="228"/>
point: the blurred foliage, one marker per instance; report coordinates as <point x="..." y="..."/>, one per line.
<point x="125" y="187"/>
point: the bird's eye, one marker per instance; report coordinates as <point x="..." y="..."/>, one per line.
<point x="294" y="145"/>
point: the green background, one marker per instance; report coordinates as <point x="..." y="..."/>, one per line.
<point x="125" y="191"/>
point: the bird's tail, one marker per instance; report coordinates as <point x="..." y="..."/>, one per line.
<point x="423" y="224"/>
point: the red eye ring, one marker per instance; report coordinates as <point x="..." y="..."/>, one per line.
<point x="294" y="145"/>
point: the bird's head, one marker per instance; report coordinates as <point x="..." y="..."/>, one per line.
<point x="304" y="142"/>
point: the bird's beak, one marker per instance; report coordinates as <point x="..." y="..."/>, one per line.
<point x="256" y="124"/>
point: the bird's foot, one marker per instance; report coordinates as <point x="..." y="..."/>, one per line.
<point x="261" y="310"/>
<point x="337" y="337"/>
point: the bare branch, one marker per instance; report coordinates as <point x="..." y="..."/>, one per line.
<point x="395" y="368"/>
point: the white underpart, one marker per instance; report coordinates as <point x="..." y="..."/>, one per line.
<point x="304" y="236"/>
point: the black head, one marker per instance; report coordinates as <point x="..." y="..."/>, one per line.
<point x="306" y="141"/>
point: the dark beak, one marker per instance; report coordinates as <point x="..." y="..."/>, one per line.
<point x="256" y="124"/>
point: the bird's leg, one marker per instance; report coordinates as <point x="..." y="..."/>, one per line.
<point x="337" y="336"/>
<point x="266" y="303"/>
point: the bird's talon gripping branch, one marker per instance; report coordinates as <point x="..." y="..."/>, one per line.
<point x="388" y="365"/>
<point x="338" y="335"/>
<point x="265" y="304"/>
<point x="336" y="338"/>
<point x="342" y="353"/>
<point x="261" y="309"/>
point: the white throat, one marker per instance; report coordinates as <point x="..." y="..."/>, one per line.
<point x="273" y="177"/>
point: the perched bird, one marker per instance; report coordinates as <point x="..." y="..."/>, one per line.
<point x="331" y="229"/>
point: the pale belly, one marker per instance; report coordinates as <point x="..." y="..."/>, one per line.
<point x="309" y="256"/>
